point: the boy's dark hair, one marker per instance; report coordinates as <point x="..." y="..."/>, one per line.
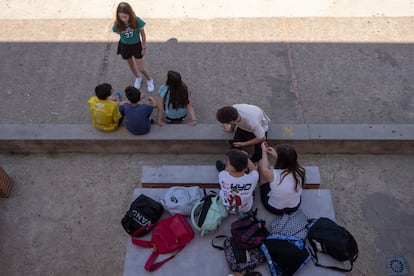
<point x="133" y="94"/>
<point x="237" y="159"/>
<point x="227" y="114"/>
<point x="103" y="91"/>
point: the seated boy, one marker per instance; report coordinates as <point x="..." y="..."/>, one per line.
<point x="104" y="108"/>
<point x="137" y="115"/>
<point x="252" y="125"/>
<point x="237" y="186"/>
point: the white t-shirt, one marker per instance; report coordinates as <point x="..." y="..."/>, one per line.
<point x="284" y="195"/>
<point x="253" y="119"/>
<point x="237" y="192"/>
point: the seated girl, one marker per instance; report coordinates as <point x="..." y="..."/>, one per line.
<point x="281" y="187"/>
<point x="174" y="101"/>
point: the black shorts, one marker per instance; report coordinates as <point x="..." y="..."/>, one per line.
<point x="175" y="120"/>
<point x="129" y="50"/>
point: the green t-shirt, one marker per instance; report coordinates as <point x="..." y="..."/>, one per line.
<point x="130" y="36"/>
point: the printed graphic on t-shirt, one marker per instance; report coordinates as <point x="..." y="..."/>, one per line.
<point x="129" y="32"/>
<point x="235" y="203"/>
<point x="235" y="196"/>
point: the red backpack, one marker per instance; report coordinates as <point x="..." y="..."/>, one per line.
<point x="170" y="235"/>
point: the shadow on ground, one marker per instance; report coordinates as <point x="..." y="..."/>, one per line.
<point x="312" y="82"/>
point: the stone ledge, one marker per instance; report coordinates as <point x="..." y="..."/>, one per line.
<point x="204" y="176"/>
<point x="204" y="138"/>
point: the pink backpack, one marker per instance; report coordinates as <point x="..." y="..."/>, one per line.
<point x="170" y="235"/>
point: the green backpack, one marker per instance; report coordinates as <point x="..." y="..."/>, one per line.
<point x="211" y="213"/>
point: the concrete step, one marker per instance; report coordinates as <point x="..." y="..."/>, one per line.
<point x="205" y="138"/>
<point x="202" y="176"/>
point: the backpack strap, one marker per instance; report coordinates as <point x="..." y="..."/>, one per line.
<point x="310" y="223"/>
<point x="139" y="242"/>
<point x="195" y="224"/>
<point x="218" y="246"/>
<point x="252" y="213"/>
<point x="314" y="254"/>
<point x="151" y="266"/>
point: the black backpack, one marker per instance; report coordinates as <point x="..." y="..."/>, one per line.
<point x="328" y="237"/>
<point x="143" y="211"/>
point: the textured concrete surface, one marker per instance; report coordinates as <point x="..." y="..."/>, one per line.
<point x="63" y="216"/>
<point x="295" y="68"/>
<point x="204" y="138"/>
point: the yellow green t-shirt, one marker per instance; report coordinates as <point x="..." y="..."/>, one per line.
<point x="105" y="114"/>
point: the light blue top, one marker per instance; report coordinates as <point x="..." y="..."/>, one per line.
<point x="168" y="109"/>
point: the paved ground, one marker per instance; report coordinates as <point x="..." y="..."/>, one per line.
<point x="63" y="217"/>
<point x="295" y="69"/>
<point x="329" y="62"/>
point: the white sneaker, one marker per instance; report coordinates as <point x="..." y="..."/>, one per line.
<point x="150" y="86"/>
<point x="137" y="83"/>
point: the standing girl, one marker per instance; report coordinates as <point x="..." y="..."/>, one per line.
<point x="130" y="27"/>
<point x="174" y="101"/>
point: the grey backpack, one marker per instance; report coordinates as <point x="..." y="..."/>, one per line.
<point x="180" y="200"/>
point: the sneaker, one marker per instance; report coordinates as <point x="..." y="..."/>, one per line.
<point x="150" y="86"/>
<point x="137" y="83"/>
<point x="220" y="165"/>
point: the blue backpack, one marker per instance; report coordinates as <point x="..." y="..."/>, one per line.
<point x="285" y="254"/>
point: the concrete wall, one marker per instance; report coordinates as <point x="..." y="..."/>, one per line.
<point x="204" y="138"/>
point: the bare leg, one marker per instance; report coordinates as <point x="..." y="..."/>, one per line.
<point x="133" y="67"/>
<point x="142" y="68"/>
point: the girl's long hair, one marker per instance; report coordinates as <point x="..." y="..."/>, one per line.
<point x="178" y="90"/>
<point x="287" y="160"/>
<point x="125" y="8"/>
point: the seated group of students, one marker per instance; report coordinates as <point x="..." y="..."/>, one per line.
<point x="173" y="104"/>
<point x="280" y="187"/>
